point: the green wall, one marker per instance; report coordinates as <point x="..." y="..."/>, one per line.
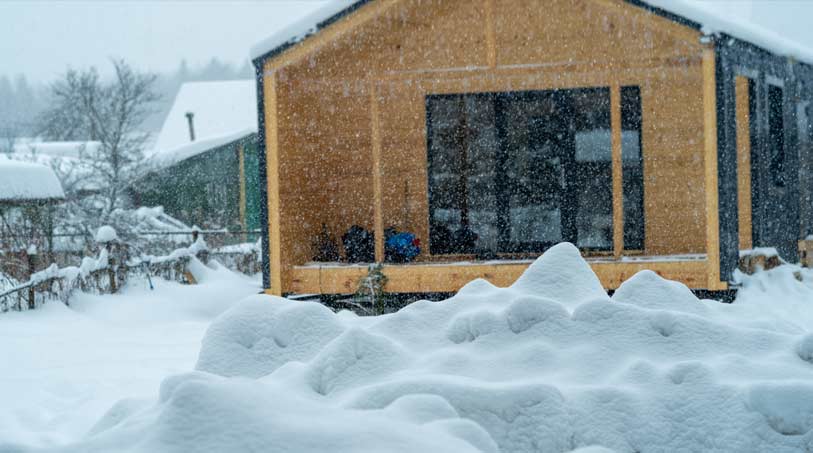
<point x="204" y="190"/>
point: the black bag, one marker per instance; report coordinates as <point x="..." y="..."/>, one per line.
<point x="359" y="245"/>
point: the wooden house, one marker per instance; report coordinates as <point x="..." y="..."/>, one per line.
<point x="204" y="169"/>
<point x="492" y="129"/>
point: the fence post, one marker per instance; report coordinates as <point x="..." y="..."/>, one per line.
<point x="111" y="271"/>
<point x="31" y="254"/>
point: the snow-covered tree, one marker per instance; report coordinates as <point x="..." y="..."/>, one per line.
<point x="86" y="107"/>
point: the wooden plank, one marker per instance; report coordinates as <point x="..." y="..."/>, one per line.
<point x="744" y="162"/>
<point x="617" y="170"/>
<point x="273" y="176"/>
<point x="710" y="185"/>
<point x="451" y="277"/>
<point x="491" y="35"/>
<point x="378" y="221"/>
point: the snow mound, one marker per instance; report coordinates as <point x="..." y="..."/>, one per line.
<point x="105" y="234"/>
<point x="548" y="364"/>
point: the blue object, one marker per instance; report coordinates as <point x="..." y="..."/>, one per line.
<point x="402" y="247"/>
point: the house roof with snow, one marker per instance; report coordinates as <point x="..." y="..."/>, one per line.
<point x="55" y="149"/>
<point x="695" y="14"/>
<point x="224" y="111"/>
<point x="27" y="183"/>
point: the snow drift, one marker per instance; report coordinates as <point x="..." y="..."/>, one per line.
<point x="549" y="364"/>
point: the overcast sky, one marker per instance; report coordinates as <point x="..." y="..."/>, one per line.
<point x="41" y="38"/>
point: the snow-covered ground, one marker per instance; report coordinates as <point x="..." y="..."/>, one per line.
<point x="549" y="364"/>
<point x="62" y="368"/>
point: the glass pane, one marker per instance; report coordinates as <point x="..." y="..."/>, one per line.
<point x="520" y="171"/>
<point x="633" y="168"/>
<point x="776" y="132"/>
<point x="462" y="148"/>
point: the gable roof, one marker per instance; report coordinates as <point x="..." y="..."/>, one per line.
<point x="221" y="109"/>
<point x="693" y="14"/>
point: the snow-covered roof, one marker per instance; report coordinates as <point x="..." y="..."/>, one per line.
<point x="301" y="29"/>
<point x="721" y="17"/>
<point x="222" y="108"/>
<point x="55" y="149"/>
<point x="711" y="16"/>
<point x="166" y="158"/>
<point x="26" y="181"/>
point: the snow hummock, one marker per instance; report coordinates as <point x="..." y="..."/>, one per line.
<point x="550" y="363"/>
<point x="221" y="109"/>
<point x="26" y="181"/>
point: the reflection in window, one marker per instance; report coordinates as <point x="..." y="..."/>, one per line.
<point x="521" y="171"/>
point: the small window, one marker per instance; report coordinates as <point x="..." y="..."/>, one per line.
<point x="776" y="131"/>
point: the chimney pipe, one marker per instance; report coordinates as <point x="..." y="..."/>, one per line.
<point x="190" y="118"/>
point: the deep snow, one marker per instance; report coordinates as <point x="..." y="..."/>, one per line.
<point x="61" y="368"/>
<point x="549" y="364"/>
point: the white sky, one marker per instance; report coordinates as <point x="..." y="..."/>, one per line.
<point x="42" y="38"/>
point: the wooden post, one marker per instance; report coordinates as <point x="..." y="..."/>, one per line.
<point x="111" y="267"/>
<point x="710" y="168"/>
<point x="272" y="162"/>
<point x="31" y="255"/>
<point x="378" y="221"/>
<point x="617" y="170"/>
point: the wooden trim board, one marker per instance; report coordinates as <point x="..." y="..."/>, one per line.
<point x="418" y="278"/>
<point x="617" y="170"/>
<point x="273" y="178"/>
<point x="710" y="169"/>
<point x="744" y="162"/>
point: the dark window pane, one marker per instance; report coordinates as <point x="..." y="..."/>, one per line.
<point x="461" y="173"/>
<point x="633" y="168"/>
<point x="520" y="171"/>
<point x="776" y="126"/>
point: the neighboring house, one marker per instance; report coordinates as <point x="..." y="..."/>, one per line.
<point x="204" y="169"/>
<point x="492" y="129"/>
<point x="28" y="192"/>
<point x="64" y="158"/>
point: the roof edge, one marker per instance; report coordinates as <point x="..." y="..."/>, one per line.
<point x="318" y="27"/>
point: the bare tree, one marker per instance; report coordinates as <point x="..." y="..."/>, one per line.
<point x="85" y="107"/>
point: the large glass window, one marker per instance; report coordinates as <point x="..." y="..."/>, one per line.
<point x="521" y="171"/>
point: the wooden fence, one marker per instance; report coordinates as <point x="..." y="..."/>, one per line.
<point x="114" y="266"/>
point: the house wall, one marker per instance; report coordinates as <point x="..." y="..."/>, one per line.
<point x="396" y="52"/>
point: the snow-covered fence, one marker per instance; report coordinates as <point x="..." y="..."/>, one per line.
<point x="103" y="274"/>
